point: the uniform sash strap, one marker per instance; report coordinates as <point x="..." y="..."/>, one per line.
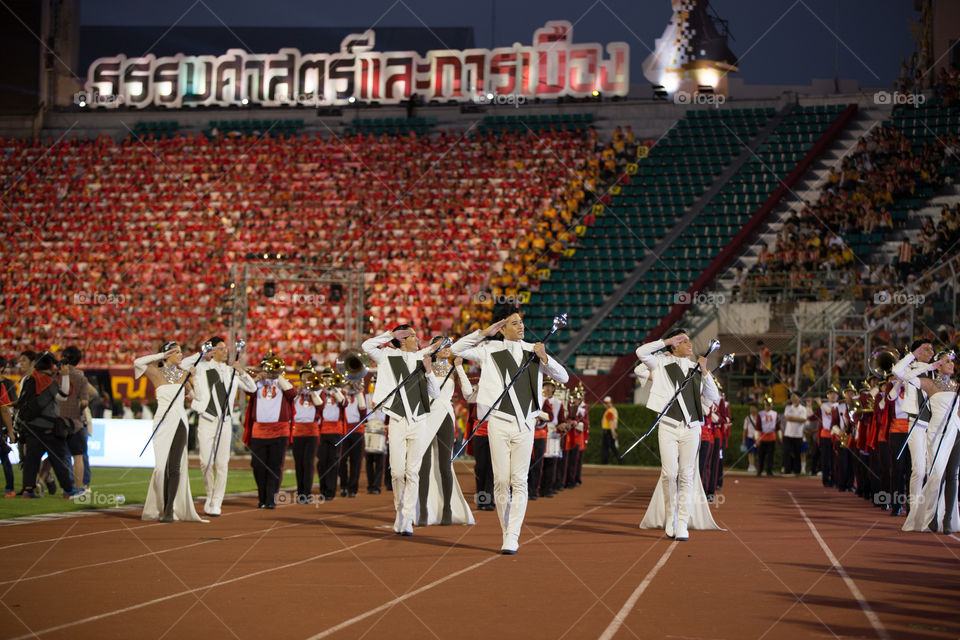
<point x="924" y="402"/>
<point x="690" y="396"/>
<point x="416" y="388"/>
<point x="216" y="389"/>
<point x="525" y="387"/>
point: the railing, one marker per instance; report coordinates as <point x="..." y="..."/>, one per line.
<point x="782" y="286"/>
<point x="891" y="306"/>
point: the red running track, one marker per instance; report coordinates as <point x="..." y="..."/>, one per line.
<point x="796" y="561"/>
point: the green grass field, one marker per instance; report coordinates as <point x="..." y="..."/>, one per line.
<point x="112" y="487"/>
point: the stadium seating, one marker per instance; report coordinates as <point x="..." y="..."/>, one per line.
<point x="130" y="243"/>
<point x="676" y="172"/>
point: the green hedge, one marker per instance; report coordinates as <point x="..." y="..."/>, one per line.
<point x="636" y="419"/>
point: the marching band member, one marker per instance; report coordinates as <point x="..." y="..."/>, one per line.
<point x="375" y="455"/>
<point x="706" y="445"/>
<point x="573" y="437"/>
<point x="828" y="421"/>
<point x="441" y="500"/>
<point x="567" y="442"/>
<point x="306" y="431"/>
<point x="845" y="455"/>
<point x="884" y="414"/>
<point x="864" y="429"/>
<point x="331" y="430"/>
<point x="671" y="506"/>
<point x="266" y="428"/>
<point x="863" y="416"/>
<point x="899" y="425"/>
<point x="479" y="447"/>
<point x="721" y="435"/>
<point x="168" y="496"/>
<point x="352" y="447"/>
<point x="501" y="351"/>
<point x="407" y="410"/>
<point x="553" y="435"/>
<point x="211" y="400"/>
<point x="582" y="422"/>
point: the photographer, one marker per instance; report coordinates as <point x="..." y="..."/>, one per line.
<point x="72" y="410"/>
<point x="8" y="396"/>
<point x="43" y="431"/>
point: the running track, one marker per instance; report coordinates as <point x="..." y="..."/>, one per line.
<point x="796" y="561"/>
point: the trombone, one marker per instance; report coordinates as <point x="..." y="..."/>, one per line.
<point x="352" y="365"/>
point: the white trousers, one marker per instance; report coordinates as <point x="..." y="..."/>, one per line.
<point x="510" y="449"/>
<point x="917" y="445"/>
<point x="215" y="473"/>
<point x="406" y="454"/>
<point x="678" y="456"/>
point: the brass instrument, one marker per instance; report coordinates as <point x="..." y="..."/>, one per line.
<point x="352" y="365"/>
<point x="330" y="379"/>
<point x="882" y="360"/>
<point x="310" y="379"/>
<point x="272" y="366"/>
<point x="855" y="408"/>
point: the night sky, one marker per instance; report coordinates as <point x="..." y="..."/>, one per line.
<point x="778" y="41"/>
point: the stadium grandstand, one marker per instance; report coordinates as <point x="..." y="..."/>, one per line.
<point x="480" y="255"/>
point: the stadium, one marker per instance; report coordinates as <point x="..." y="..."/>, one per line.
<point x="595" y="319"/>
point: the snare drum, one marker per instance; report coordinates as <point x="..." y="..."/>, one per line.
<point x="375" y="439"/>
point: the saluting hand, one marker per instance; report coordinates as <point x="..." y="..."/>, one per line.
<point x="494" y="328"/>
<point x="400" y="334"/>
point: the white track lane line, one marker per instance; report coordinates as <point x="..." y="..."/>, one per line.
<point x="631" y="602"/>
<point x="188" y="546"/>
<point x="476" y="565"/>
<point x="851" y="585"/>
<point x="288" y="565"/>
<point x="69" y="514"/>
<point x="187" y="592"/>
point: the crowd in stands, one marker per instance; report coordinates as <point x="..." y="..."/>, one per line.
<point x="812" y="261"/>
<point x="812" y="258"/>
<point x="130" y="243"/>
<point x="552" y="235"/>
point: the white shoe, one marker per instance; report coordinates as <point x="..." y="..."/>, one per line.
<point x="682" y="534"/>
<point x="669" y="528"/>
<point x="511" y="544"/>
<point x="751" y="469"/>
